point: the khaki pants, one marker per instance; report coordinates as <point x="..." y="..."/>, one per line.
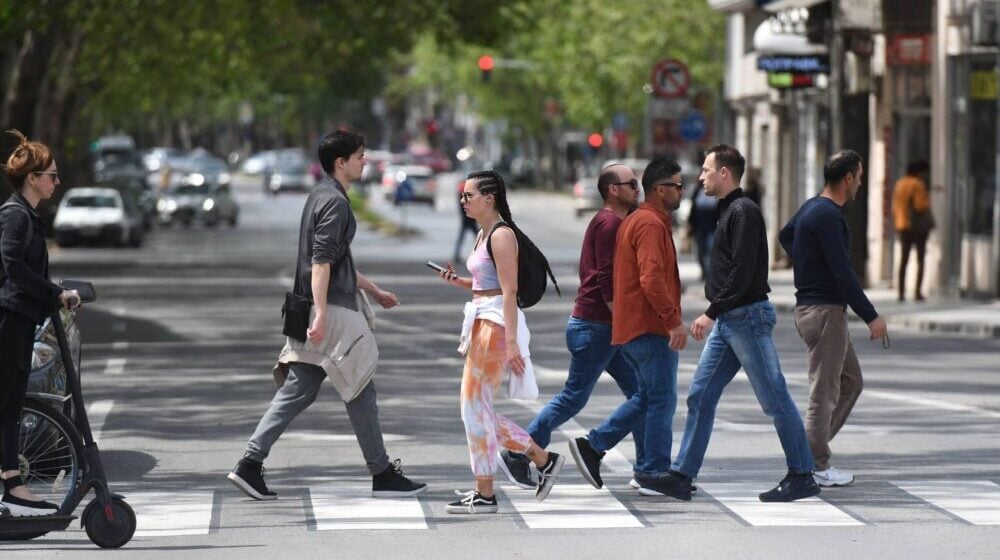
<point x="834" y="375"/>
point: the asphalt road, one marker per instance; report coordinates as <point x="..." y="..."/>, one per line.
<point x="177" y="359"/>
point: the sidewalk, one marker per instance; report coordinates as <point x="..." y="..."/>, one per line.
<point x="975" y="318"/>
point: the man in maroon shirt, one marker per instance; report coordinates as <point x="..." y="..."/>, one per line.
<point x="588" y="332"/>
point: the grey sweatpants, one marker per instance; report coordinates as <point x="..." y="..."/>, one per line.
<point x="298" y="392"/>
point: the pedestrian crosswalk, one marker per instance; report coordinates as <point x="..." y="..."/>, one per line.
<point x="349" y="507"/>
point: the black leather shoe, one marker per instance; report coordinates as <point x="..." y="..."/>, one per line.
<point x="793" y="487"/>
<point x="675" y="485"/>
<point x="588" y="460"/>
<point x="248" y="476"/>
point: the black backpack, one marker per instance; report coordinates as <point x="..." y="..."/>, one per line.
<point x="532" y="267"/>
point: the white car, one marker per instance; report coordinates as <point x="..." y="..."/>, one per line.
<point x="98" y="214"/>
<point x="419" y="179"/>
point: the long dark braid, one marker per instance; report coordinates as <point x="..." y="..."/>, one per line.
<point x="489" y="181"/>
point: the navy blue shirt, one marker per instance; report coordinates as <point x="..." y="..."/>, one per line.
<point x="817" y="239"/>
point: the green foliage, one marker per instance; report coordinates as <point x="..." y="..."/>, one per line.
<point x="591" y="57"/>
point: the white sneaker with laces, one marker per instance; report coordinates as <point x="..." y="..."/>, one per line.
<point x="833" y="477"/>
<point x="634" y="484"/>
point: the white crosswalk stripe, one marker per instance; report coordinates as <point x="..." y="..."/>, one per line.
<point x="336" y="507"/>
<point x="573" y="507"/>
<point x="170" y="514"/>
<point x="741" y="499"/>
<point x="97" y="413"/>
<point x="976" y="501"/>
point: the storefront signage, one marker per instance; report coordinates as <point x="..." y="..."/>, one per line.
<point x="788" y="80"/>
<point x="983" y="85"/>
<point x="911" y="49"/>
<point x="815" y="64"/>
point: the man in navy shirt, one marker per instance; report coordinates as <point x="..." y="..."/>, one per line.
<point x="817" y="240"/>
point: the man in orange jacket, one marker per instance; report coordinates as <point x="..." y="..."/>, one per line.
<point x="648" y="327"/>
<point x="911" y="212"/>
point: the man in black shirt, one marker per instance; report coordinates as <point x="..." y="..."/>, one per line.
<point x="739" y="322"/>
<point x="817" y="240"/>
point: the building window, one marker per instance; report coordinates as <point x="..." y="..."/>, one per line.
<point x="982" y="143"/>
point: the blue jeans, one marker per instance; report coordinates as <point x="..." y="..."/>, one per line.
<point x="655" y="402"/>
<point x="591" y="353"/>
<point x="742" y="337"/>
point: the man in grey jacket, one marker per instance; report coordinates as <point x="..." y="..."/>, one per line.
<point x="328" y="277"/>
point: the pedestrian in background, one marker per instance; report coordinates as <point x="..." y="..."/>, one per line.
<point x="465" y="225"/>
<point x="911" y="211"/>
<point x="702" y="221"/>
<point x="648" y="327"/>
<point x="818" y="241"/>
<point x="588" y="332"/>
<point x="495" y="341"/>
<point x="27" y="297"/>
<point x="326" y="275"/>
<point x="740" y="323"/>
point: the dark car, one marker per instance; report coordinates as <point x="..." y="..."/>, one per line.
<point x="288" y="173"/>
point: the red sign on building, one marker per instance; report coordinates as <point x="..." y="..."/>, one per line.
<point x="909" y="49"/>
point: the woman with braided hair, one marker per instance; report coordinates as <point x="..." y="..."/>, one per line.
<point x="494" y="340"/>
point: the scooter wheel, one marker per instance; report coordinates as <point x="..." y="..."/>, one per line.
<point x="109" y="533"/>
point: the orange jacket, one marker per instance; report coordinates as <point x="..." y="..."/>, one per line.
<point x="908" y="188"/>
<point x="646" y="281"/>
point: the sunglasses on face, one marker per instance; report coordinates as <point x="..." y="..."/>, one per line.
<point x="678" y="186"/>
<point x="55" y="174"/>
<point x="465" y="197"/>
<point x="633" y="184"/>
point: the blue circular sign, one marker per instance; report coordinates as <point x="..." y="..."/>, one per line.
<point x="693" y="126"/>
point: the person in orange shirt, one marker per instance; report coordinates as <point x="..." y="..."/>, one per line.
<point x="648" y="328"/>
<point x="911" y="212"/>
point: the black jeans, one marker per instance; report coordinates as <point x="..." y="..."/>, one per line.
<point x="910" y="239"/>
<point x="17" y="336"/>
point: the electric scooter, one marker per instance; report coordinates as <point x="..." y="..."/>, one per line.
<point x="108" y="519"/>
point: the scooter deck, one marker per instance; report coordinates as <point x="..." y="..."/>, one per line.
<point x="42" y="523"/>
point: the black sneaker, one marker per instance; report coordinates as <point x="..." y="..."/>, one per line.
<point x="4" y="512"/>
<point x="391" y="483"/>
<point x="674" y="484"/>
<point x="588" y="460"/>
<point x="795" y="486"/>
<point x="517" y="467"/>
<point x="248" y="476"/>
<point x="547" y="475"/>
<point x="473" y="502"/>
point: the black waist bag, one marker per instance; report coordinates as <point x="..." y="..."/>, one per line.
<point x="296" y="315"/>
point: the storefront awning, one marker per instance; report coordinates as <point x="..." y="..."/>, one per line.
<point x="768" y="40"/>
<point x="778" y="5"/>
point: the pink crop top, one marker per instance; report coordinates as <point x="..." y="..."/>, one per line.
<point x="484" y="272"/>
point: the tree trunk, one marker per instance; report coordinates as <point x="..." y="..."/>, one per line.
<point x="29" y="72"/>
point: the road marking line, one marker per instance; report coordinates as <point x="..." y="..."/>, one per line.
<point x="339" y="508"/>
<point x="97" y="413"/>
<point x="573" y="506"/>
<point x="976" y="501"/>
<point x="119" y="345"/>
<point x="168" y="514"/>
<point x="932" y="403"/>
<point x="741" y="499"/>
<point x="115" y="366"/>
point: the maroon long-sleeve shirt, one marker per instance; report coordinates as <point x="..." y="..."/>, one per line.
<point x="597" y="259"/>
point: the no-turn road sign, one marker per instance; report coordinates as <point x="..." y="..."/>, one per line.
<point x="670" y="79"/>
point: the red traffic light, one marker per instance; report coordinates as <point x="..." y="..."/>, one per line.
<point x="595" y="140"/>
<point x="486" y="63"/>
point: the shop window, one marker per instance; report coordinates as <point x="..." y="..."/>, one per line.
<point x="982" y="145"/>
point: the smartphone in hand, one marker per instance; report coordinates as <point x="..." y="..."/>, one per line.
<point x="435" y="266"/>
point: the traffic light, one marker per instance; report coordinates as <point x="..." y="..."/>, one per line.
<point x="486" y="66"/>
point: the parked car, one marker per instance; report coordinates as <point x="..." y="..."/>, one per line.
<point x="418" y="179"/>
<point x="288" y="173"/>
<point x="98" y="214"/>
<point x="188" y="203"/>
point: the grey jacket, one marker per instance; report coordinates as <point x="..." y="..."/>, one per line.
<point x="327" y="229"/>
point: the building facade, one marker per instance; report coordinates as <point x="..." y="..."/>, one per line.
<point x="896" y="80"/>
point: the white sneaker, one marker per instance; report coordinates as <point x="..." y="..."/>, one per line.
<point x="833" y="477"/>
<point x="634" y="484"/>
